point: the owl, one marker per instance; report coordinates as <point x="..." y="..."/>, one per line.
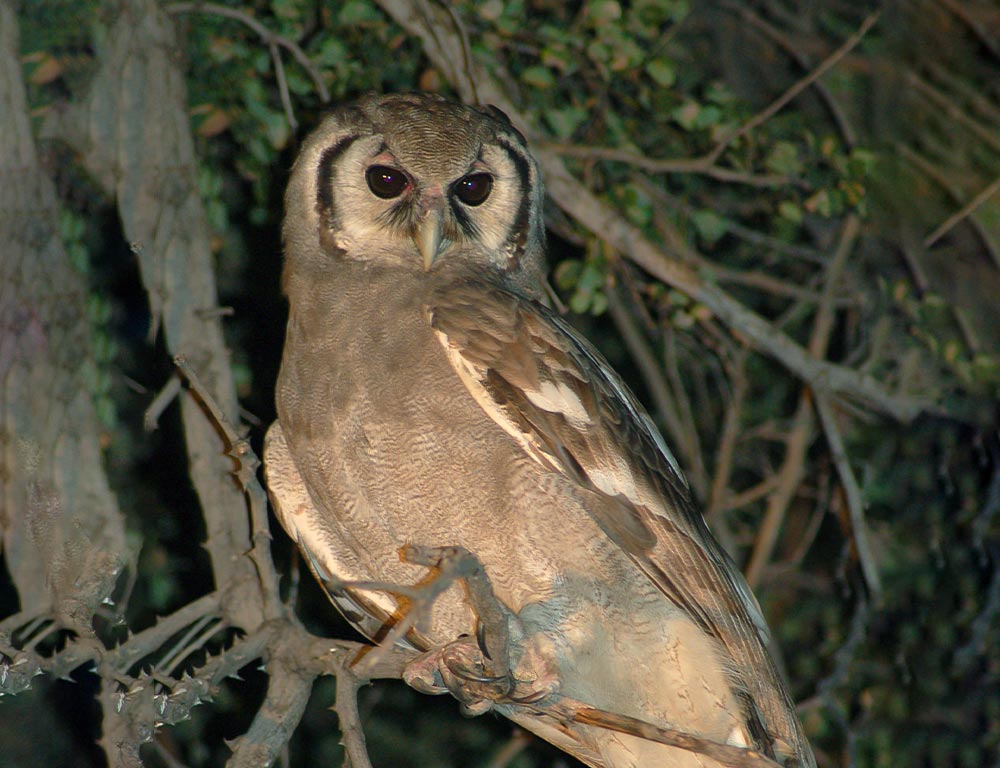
<point x="427" y="396"/>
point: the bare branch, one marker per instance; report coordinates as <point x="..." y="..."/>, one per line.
<point x="649" y="366"/>
<point x="775" y="106"/>
<point x="855" y="502"/>
<point x="935" y="174"/>
<point x="773" y="34"/>
<point x="699" y="166"/>
<point x="160" y="403"/>
<point x="800" y="434"/>
<point x="962" y="213"/>
<point x="352" y="735"/>
<point x="269" y="37"/>
<point x="982" y="35"/>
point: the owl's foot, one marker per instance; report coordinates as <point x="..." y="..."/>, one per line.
<point x="478" y="671"/>
<point x="463" y="670"/>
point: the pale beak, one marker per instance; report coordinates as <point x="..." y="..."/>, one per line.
<point x="428" y="236"/>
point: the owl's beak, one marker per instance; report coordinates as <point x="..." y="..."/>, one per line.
<point x="428" y="236"/>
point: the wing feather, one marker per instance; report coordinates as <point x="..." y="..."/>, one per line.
<point x="554" y="394"/>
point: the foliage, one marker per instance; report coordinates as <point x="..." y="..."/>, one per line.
<point x="647" y="102"/>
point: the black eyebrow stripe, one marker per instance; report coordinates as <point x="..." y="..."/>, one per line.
<point x="517" y="238"/>
<point x="324" y="180"/>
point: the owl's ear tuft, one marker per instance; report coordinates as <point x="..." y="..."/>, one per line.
<point x="496" y="112"/>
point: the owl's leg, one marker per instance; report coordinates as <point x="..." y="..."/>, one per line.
<point x="480" y="672"/>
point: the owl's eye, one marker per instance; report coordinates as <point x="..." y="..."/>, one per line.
<point x="386" y="182"/>
<point x="474" y="188"/>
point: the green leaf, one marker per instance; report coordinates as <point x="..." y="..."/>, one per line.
<point x="567" y="274"/>
<point x="491" y="10"/>
<point x="565" y="121"/>
<point x="686" y="115"/>
<point x="603" y="11"/>
<point x="791" y="211"/>
<point x="784" y="159"/>
<point x="708" y="116"/>
<point x="538" y="77"/>
<point x="710" y="225"/>
<point x="358" y="12"/>
<point x="820" y="202"/>
<point x="662" y="72"/>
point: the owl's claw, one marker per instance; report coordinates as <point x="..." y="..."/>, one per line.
<point x="461" y="669"/>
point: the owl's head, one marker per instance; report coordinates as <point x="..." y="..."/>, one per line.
<point x="419" y="182"/>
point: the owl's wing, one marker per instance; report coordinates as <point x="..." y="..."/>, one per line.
<point x="553" y="393"/>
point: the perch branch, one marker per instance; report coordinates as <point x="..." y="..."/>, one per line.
<point x="352" y="735"/>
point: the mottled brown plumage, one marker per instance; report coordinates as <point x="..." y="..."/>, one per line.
<point x="427" y="397"/>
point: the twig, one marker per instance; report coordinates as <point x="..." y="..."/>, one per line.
<point x="690" y="437"/>
<point x="842" y="659"/>
<point x="776" y="36"/>
<point x="788" y="479"/>
<point x="193" y="647"/>
<point x="279" y="75"/>
<point x="770" y="284"/>
<point x="180" y="649"/>
<point x="269" y="37"/>
<point x="151" y="418"/>
<point x="956" y="112"/>
<point x="747" y="497"/>
<point x="352" y="735"/>
<point x="727" y="438"/>
<point x="515" y="745"/>
<point x="982" y="35"/>
<point x="936" y="175"/>
<point x="771" y="109"/>
<point x="962" y="213"/>
<point x="800" y="434"/>
<point x="141" y="645"/>
<point x="855" y="502"/>
<point x="700" y="166"/>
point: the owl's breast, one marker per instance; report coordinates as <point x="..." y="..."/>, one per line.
<point x="390" y="445"/>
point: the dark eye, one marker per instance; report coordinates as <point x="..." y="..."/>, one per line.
<point x="474" y="188"/>
<point x="386" y="182"/>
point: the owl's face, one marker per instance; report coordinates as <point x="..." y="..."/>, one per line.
<point x="418" y="182"/>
